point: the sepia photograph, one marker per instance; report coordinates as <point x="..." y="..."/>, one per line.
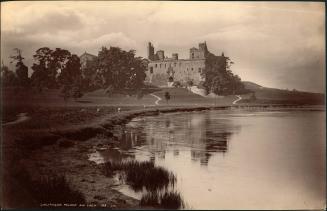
<point x="156" y="105"/>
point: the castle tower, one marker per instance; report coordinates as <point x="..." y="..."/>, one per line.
<point x="150" y="51"/>
<point x="161" y="55"/>
<point x="203" y="47"/>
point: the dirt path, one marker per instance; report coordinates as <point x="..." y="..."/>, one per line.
<point x="158" y="98"/>
<point x="239" y="98"/>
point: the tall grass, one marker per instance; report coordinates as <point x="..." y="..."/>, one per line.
<point x="141" y="175"/>
<point x="167" y="200"/>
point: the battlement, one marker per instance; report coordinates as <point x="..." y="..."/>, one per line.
<point x="195" y="53"/>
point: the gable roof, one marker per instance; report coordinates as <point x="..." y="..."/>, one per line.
<point x="87" y="54"/>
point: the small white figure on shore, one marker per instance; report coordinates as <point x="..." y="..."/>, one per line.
<point x="118" y="109"/>
<point x="98" y="110"/>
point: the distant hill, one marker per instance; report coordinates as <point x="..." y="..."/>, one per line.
<point x="281" y="96"/>
<point x="251" y="86"/>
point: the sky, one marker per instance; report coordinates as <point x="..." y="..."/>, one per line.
<point x="274" y="44"/>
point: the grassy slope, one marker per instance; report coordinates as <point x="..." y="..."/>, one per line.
<point x="278" y="96"/>
<point x="181" y="96"/>
<point x="51" y="98"/>
<point x="50" y="109"/>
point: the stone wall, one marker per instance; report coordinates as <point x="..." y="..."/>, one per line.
<point x="180" y="70"/>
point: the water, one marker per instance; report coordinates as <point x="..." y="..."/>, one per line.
<point x="234" y="159"/>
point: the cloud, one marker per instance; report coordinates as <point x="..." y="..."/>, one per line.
<point x="113" y="39"/>
<point x="277" y="44"/>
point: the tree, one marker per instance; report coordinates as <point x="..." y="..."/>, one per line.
<point x="219" y="78"/>
<point x="70" y="77"/>
<point x="57" y="68"/>
<point x="48" y="64"/>
<point x="91" y="79"/>
<point x="167" y="96"/>
<point x="21" y="68"/>
<point x="43" y="74"/>
<point x="120" y="69"/>
<point x="8" y="77"/>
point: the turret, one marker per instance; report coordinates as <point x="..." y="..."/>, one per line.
<point x="161" y="54"/>
<point x="150" y="51"/>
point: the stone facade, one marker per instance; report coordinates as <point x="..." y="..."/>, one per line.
<point x="84" y="58"/>
<point x="162" y="70"/>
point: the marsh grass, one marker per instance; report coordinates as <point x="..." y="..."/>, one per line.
<point x="167" y="200"/>
<point x="141" y="175"/>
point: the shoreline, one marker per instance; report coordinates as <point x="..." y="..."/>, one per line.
<point x="87" y="176"/>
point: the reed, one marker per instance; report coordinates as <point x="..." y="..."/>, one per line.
<point x="167" y="200"/>
<point x="141" y="175"/>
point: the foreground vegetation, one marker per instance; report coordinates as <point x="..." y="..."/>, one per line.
<point x="157" y="181"/>
<point x="166" y="199"/>
<point x="141" y="175"/>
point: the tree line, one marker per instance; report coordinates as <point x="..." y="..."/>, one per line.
<point x="114" y="69"/>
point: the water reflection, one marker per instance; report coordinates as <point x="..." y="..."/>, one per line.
<point x="198" y="133"/>
<point x="235" y="159"/>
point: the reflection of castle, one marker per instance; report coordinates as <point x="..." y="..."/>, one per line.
<point x="162" y="69"/>
<point x="196" y="131"/>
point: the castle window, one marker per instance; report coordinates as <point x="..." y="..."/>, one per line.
<point x="192" y="68"/>
<point x="160" y="65"/>
<point x="156" y="65"/>
<point x="151" y="70"/>
<point x="199" y="69"/>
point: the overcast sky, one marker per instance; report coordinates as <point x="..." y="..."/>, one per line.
<point x="276" y="44"/>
